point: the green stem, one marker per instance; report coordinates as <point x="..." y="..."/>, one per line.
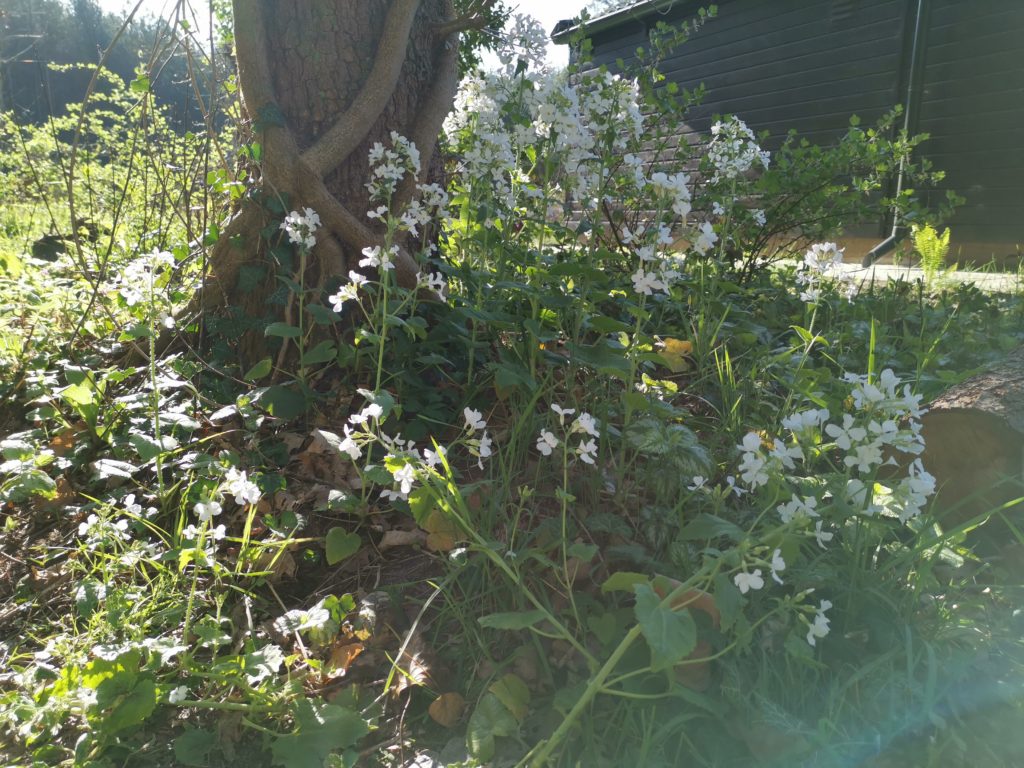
<point x="544" y="750"/>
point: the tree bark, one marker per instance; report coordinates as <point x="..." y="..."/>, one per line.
<point x="974" y="442"/>
<point x="321" y="83"/>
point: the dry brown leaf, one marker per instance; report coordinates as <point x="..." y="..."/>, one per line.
<point x="342" y="657"/>
<point x="284" y="567"/>
<point x="64" y="441"/>
<point x="440" y="542"/>
<point x="392" y="539"/>
<point x="447" y="709"/>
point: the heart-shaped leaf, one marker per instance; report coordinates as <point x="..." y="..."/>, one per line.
<point x="341" y="544"/>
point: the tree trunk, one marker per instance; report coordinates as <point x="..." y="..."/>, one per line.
<point x="974" y="442"/>
<point x="321" y="82"/>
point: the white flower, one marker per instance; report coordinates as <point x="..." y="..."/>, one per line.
<point x="586" y="424"/>
<point x="731" y="482"/>
<point x="301" y="226"/>
<point x="820" y="535"/>
<point x="237" y="484"/>
<point x="547" y="442"/>
<point x="778" y="565"/>
<point x="348" y="292"/>
<point x="349" y="446"/>
<point x="405" y="476"/>
<point x="706" y="238"/>
<point x="805" y="421"/>
<point x="357" y="279"/>
<point x="698" y="483"/>
<point x="562" y="412"/>
<point x="83" y="528"/>
<point x="432" y="459"/>
<point x="372" y="411"/>
<point x="748" y="581"/>
<point x="819" y="627"/>
<point x="207" y="509"/>
<point x="372" y="257"/>
<point x="759" y="217"/>
<point x="797" y="508"/>
<point x="474" y="419"/>
<point x="786" y="454"/>
<point x="647" y="282"/>
<point x="178" y="695"/>
<point x="847" y="435"/>
<point x="587" y="451"/>
<point x="485" y="446"/>
<point x="481" y="448"/>
<point x="752" y="469"/>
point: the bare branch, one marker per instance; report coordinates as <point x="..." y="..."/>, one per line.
<point x="475" y="18"/>
<point x="349" y="131"/>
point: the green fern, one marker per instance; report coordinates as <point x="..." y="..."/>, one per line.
<point x="933" y="249"/>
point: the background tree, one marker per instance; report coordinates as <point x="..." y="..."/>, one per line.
<point x="322" y="83"/>
<point x="37" y="33"/>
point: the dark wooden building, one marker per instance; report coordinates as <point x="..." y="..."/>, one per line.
<point x="956" y="65"/>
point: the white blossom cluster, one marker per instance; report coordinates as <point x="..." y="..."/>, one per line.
<point x="389" y="165"/>
<point x="141" y="277"/>
<point x="734" y="150"/>
<point x="236" y="484"/>
<point x="300" y="227"/>
<point x="404" y="461"/>
<point x="885" y="422"/>
<point x="821" y="265"/>
<point x="575" y="121"/>
<point x="583" y="425"/>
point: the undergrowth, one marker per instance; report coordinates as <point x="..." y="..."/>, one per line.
<point x="579" y="499"/>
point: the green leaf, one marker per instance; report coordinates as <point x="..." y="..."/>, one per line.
<point x="512" y="619"/>
<point x="106" y="468"/>
<point x="192" y="747"/>
<point x="420" y="503"/>
<point x="670" y="634"/>
<point x="261" y="369"/>
<point x="341" y="545"/>
<point x="132" y="709"/>
<point x="489" y="720"/>
<point x="148" y="448"/>
<point x="728" y="600"/>
<point x="582" y="551"/>
<point x="283" y="402"/>
<point x="319" y="730"/>
<point x="83" y="393"/>
<point x="322" y="315"/>
<point x="513" y="693"/>
<point x="284" y="330"/>
<point x="674" y="443"/>
<point x="322" y="353"/>
<point x="623" y="581"/>
<point x="140" y="84"/>
<point x="707" y="526"/>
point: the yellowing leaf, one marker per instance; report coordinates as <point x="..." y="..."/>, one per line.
<point x="442" y="532"/>
<point x="513" y="693"/>
<point x="674" y="353"/>
<point x="447" y="709"/>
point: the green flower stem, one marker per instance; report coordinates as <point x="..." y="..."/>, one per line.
<point x="540" y="756"/>
<point x="461" y="514"/>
